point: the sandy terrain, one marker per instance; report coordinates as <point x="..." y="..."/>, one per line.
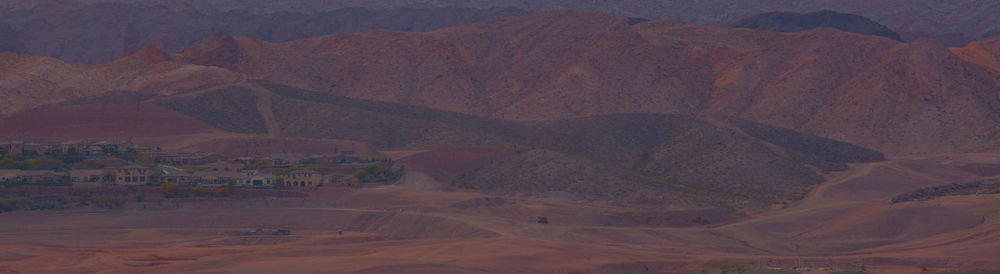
<point x="421" y="226"/>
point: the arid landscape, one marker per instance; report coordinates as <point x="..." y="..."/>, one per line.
<point x="647" y="136"/>
<point x="418" y="225"/>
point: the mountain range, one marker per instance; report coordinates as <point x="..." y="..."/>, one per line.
<point x="899" y="98"/>
<point x="569" y="140"/>
<point x="102" y="32"/>
<point x="954" y="23"/>
<point x="591" y="104"/>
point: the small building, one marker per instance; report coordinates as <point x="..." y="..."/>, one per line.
<point x="303" y="178"/>
<point x="132" y="175"/>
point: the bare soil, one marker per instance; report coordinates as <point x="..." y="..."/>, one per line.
<point x="401" y="228"/>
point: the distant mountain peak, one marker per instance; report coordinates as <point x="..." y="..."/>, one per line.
<point x="793" y="22"/>
<point x="220" y="50"/>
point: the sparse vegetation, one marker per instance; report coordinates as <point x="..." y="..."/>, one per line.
<point x="12" y="204"/>
<point x="109" y="202"/>
<point x="232" y="109"/>
<point x="170" y="190"/>
<point x="676" y="157"/>
<point x="990" y="186"/>
<point x="817" y="151"/>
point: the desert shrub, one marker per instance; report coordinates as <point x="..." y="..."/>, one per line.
<point x="170" y="190"/>
<point x="990" y="186"/>
<point x="361" y="174"/>
<point x="824" y="150"/>
<point x="231" y="109"/>
<point x="109" y="202"/>
<point x="48" y="204"/>
<point x="12" y="204"/>
<point x="38" y="163"/>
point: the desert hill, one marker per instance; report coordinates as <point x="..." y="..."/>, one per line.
<point x="899" y="98"/>
<point x="561" y="65"/>
<point x="792" y="22"/>
<point x="28" y="81"/>
<point x="103" y="32"/>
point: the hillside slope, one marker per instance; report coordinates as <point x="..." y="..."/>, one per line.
<point x="636" y="157"/>
<point x="564" y="64"/>
<point x="899" y="98"/>
<point x="30" y="81"/>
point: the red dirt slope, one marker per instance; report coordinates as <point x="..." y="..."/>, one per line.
<point x="862" y="89"/>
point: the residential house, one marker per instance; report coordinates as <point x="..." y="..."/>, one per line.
<point x="87" y="176"/>
<point x="40" y="177"/>
<point x="252" y="178"/>
<point x="176" y="176"/>
<point x="217" y="178"/>
<point x="150" y="156"/>
<point x="132" y="175"/>
<point x="69" y="147"/>
<point x="12" y="148"/>
<point x="287" y="160"/>
<point x="303" y="178"/>
<point x="169" y="158"/>
<point x="36" y="149"/>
